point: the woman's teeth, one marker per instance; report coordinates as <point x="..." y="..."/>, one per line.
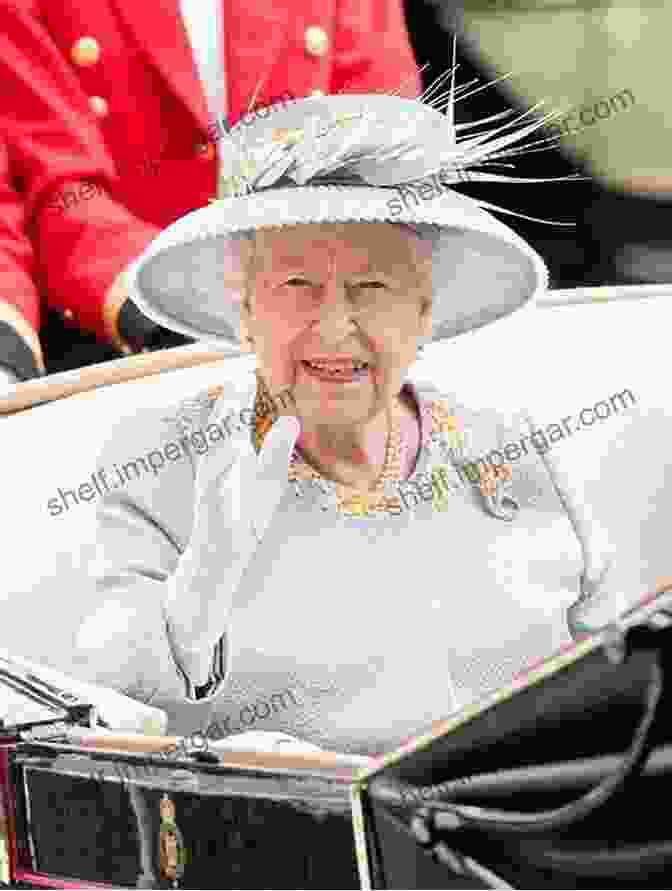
<point x="337" y="368"/>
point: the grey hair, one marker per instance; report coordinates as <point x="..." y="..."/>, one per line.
<point x="424" y="231"/>
<point x="429" y="234"/>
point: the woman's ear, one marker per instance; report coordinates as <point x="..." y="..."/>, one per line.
<point x="246" y="262"/>
<point x="244" y="327"/>
<point x="426" y="319"/>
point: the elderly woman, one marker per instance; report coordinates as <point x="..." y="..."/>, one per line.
<point x="340" y="556"/>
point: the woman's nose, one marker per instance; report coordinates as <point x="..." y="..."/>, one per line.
<point x="335" y="312"/>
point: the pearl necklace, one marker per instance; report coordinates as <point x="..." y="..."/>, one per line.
<point x="354" y="500"/>
<point x="348" y="499"/>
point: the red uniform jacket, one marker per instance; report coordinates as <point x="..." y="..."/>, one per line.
<point x="19" y="298"/>
<point x="107" y="133"/>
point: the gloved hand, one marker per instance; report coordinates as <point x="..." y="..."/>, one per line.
<point x="237" y="494"/>
<point x="8" y="380"/>
<point x="277" y="741"/>
<point x="120" y="712"/>
<point x="17" y="360"/>
<point x="262" y="741"/>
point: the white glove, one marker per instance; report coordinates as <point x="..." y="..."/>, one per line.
<point x="117" y="710"/>
<point x="262" y="741"/>
<point x="276" y="741"/>
<point x="8" y="380"/>
<point x="237" y="493"/>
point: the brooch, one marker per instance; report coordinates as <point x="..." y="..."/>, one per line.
<point x="492" y="480"/>
<point x="172" y="853"/>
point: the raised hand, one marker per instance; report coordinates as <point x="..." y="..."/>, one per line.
<point x="237" y="494"/>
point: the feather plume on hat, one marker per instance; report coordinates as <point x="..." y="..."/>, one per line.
<point x="382" y="140"/>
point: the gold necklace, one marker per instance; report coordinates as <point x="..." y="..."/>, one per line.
<point x="349" y="499"/>
<point x="353" y="499"/>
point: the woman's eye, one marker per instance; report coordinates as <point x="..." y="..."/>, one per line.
<point x="298" y="282"/>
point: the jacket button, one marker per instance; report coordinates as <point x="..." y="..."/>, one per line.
<point x="68" y="314"/>
<point x="85" y="51"/>
<point x="205" y="151"/>
<point x="98" y="106"/>
<point x="316" y="41"/>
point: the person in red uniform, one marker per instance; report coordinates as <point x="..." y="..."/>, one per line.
<point x="20" y="349"/>
<point x="112" y="112"/>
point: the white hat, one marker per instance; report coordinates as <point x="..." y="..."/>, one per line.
<point x="347" y="158"/>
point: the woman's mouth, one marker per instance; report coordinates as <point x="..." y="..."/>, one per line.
<point x="341" y="371"/>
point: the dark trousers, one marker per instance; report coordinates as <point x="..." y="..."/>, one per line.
<point x="66" y="347"/>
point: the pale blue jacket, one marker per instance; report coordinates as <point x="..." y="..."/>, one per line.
<point x="354" y="634"/>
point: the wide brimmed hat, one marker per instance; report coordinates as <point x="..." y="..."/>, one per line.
<point x="347" y="158"/>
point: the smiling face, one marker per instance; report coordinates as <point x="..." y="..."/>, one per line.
<point x="327" y="299"/>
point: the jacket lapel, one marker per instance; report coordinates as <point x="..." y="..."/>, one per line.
<point x="159" y="29"/>
<point x="257" y="37"/>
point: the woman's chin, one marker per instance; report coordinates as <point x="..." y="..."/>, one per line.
<point x="336" y="402"/>
<point x="321" y="411"/>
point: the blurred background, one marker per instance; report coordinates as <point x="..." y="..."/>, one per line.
<point x="603" y="61"/>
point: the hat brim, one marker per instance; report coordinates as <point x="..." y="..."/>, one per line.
<point x="190" y="278"/>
